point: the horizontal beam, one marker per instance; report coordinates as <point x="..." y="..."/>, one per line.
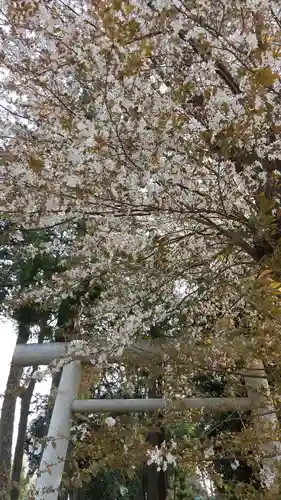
<point x="44" y="354"/>
<point x="146" y="405"/>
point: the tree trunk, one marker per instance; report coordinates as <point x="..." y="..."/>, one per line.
<point x="24" y="414"/>
<point x="151" y="472"/>
<point x="162" y="475"/>
<point x="8" y="416"/>
<point x="19" y="450"/>
<point x="156" y="481"/>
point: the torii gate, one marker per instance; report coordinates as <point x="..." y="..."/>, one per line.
<point x="53" y="459"/>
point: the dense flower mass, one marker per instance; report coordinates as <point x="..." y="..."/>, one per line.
<point x="155" y="128"/>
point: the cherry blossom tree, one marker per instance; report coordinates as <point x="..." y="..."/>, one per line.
<point x="154" y="126"/>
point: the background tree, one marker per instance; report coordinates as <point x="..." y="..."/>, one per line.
<point x="19" y="272"/>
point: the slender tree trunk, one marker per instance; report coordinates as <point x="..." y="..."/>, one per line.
<point x="19" y="450"/>
<point x="162" y="475"/>
<point x="151" y="472"/>
<point x="8" y="416"/>
<point x="24" y="414"/>
<point x="142" y="492"/>
<point x="156" y="480"/>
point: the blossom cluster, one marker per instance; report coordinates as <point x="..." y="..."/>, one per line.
<point x="162" y="456"/>
<point x="158" y="127"/>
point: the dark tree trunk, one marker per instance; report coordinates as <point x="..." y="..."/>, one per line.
<point x="24" y="414"/>
<point x="156" y="484"/>
<point x="162" y="475"/>
<point x="8" y="416"/>
<point x="156" y="488"/>
<point x="151" y="472"/>
<point x="19" y="451"/>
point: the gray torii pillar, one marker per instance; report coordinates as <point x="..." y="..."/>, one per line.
<point x="54" y="455"/>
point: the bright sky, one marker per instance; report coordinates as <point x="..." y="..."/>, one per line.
<point x="8" y="341"/>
